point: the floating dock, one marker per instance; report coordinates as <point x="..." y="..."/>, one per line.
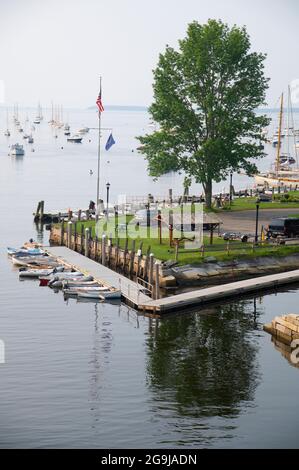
<point x="134" y="293"/>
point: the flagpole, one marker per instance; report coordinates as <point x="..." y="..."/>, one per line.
<point x="99" y="157"/>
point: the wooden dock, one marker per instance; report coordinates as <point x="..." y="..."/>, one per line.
<point x="131" y="291"/>
<point x="134" y="294"/>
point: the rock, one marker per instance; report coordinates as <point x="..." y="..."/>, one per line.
<point x="168" y="281"/>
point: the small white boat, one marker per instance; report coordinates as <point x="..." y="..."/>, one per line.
<point x="94" y="294"/>
<point x="37" y="120"/>
<point x="83" y="130"/>
<point x="80" y="283"/>
<point x="67" y="132"/>
<point x="75" y="138"/>
<point x="17" y="150"/>
<point x="25" y="136"/>
<point x="34" y="261"/>
<point x="24" y="251"/>
<point x="7" y="133"/>
<point x="30" y="139"/>
<point x="62" y="276"/>
<point x="35" y="273"/>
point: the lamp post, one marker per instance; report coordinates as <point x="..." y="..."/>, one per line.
<point x="107" y="207"/>
<point x="230" y="188"/>
<point x="257" y="205"/>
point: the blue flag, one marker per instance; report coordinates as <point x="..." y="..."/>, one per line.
<point x="109" y="142"/>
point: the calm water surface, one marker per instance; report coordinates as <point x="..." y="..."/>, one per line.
<point x="87" y="375"/>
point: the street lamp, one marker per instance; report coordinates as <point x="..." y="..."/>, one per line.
<point x="230" y="188"/>
<point x="257" y="205"/>
<point x="107" y="208"/>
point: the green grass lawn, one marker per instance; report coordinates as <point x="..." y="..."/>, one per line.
<point x="164" y="251"/>
<point x="247" y="203"/>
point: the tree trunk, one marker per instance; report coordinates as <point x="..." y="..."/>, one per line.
<point x="208" y="193"/>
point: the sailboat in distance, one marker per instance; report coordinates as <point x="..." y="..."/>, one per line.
<point x="282" y="173"/>
<point x="7" y="132"/>
<point x="39" y="115"/>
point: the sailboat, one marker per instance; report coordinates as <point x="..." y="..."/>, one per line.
<point x="7" y="132"/>
<point x="282" y="173"/>
<point x="39" y="115"/>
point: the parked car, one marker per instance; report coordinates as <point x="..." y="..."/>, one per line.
<point x="235" y="236"/>
<point x="283" y="226"/>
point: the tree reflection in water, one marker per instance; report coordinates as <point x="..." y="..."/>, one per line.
<point x="205" y="363"/>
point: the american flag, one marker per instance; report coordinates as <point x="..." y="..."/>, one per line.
<point x="99" y="102"/>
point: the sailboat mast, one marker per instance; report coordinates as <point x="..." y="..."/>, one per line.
<point x="279" y="135"/>
<point x="99" y="156"/>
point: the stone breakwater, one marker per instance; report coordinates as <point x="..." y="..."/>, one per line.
<point x="213" y="271"/>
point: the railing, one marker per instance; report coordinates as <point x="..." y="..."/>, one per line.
<point x="131" y="291"/>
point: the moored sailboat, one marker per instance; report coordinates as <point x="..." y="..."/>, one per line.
<point x="281" y="174"/>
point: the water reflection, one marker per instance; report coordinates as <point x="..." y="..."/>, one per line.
<point x="206" y="363"/>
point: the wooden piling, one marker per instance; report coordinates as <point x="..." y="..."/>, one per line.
<point x="103" y="250"/>
<point x="86" y="243"/>
<point x="151" y="268"/>
<point x="61" y="233"/>
<point x="157" y="281"/>
<point x="132" y="256"/>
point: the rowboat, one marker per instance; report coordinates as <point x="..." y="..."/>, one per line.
<point x="116" y="294"/>
<point x="79" y="290"/>
<point x="59" y="283"/>
<point x="34" y="260"/>
<point x="68" y="275"/>
<point x="35" y="273"/>
<point x="24" y="251"/>
<point x="79" y="283"/>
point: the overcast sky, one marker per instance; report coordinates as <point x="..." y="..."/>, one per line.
<point x="56" y="49"/>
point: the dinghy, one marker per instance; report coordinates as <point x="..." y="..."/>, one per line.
<point x="35" y="273"/>
<point x="93" y="294"/>
<point x="24" y="251"/>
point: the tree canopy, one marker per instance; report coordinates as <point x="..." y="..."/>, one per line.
<point x="205" y="99"/>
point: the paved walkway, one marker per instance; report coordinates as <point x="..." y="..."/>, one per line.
<point x="244" y="221"/>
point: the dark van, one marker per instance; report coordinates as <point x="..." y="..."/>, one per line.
<point x="287" y="227"/>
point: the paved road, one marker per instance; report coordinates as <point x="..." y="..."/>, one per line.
<point x="244" y="221"/>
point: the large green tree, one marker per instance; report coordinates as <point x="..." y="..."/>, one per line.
<point x="205" y="100"/>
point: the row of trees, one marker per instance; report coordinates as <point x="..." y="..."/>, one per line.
<point x="205" y="100"/>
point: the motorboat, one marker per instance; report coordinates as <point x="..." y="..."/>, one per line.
<point x="75" y="138"/>
<point x="17" y="150"/>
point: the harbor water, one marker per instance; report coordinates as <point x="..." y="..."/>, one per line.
<point x="102" y="376"/>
